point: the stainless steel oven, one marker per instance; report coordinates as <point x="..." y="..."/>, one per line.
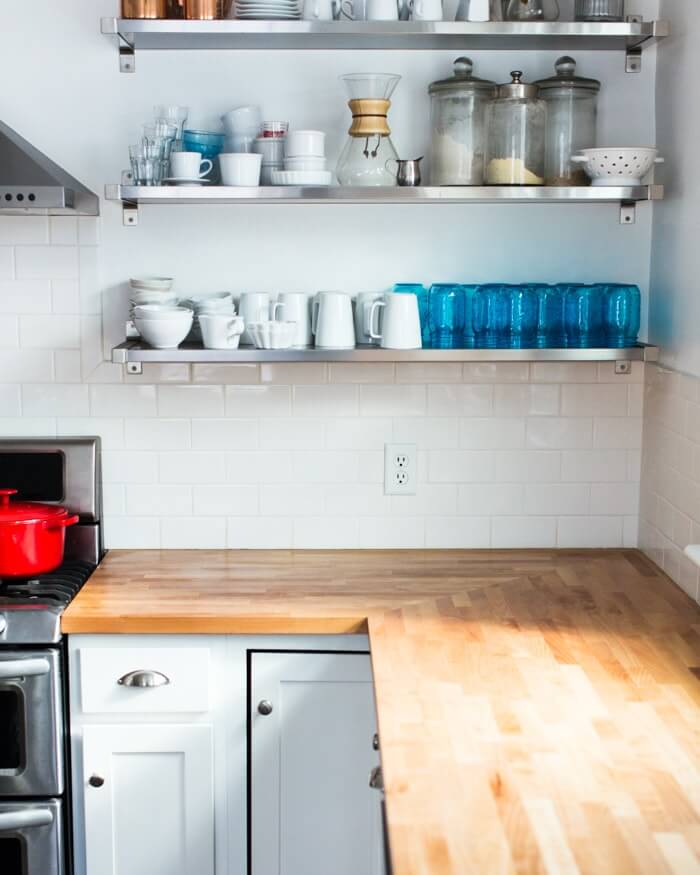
<point x="31" y="838"/>
<point x="31" y="723"/>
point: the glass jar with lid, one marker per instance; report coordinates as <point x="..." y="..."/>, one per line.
<point x="532" y="10"/>
<point x="458" y="120"/>
<point x="516" y="132"/>
<point x="572" y="112"/>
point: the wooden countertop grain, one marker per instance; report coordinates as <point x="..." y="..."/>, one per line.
<point x="539" y="711"/>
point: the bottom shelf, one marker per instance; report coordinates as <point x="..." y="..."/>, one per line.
<point x="137" y="351"/>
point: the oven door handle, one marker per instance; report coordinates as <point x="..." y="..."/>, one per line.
<point x="14" y="669"/>
<point x="25" y="819"/>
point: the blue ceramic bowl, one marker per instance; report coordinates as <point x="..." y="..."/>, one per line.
<point x="207" y="143"/>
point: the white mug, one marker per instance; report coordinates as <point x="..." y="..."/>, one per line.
<point x="363" y="307"/>
<point x="240" y="168"/>
<point x="220" y="331"/>
<point x="253" y="307"/>
<point x="295" y="307"/>
<point x="332" y="322"/>
<point x="318" y="10"/>
<point x="189" y="165"/>
<point x="400" y="322"/>
<point x="382" y="10"/>
<point x="426" y="10"/>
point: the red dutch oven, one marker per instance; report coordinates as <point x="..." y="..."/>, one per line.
<point x="32" y="536"/>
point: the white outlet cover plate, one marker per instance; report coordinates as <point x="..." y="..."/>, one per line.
<point x="400" y="469"/>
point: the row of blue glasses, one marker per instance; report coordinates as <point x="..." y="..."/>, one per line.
<point x="527" y="316"/>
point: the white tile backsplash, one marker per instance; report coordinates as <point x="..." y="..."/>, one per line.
<point x="291" y="455"/>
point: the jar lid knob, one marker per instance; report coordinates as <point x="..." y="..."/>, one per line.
<point x="565" y="66"/>
<point x="463" y="68"/>
<point x="517" y="77"/>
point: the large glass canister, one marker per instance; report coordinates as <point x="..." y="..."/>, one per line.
<point x="458" y="119"/>
<point x="572" y="110"/>
<point x="369" y="149"/>
<point x="516" y="132"/>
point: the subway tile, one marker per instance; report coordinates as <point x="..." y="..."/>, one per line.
<point x="598" y="399"/>
<point x="127" y="401"/>
<point x="606" y="373"/>
<point x="90" y="288"/>
<point x="564" y="372"/>
<point x="164" y="372"/>
<point x="132" y="533"/>
<point x="88" y="231"/>
<point x="431" y="499"/>
<point x="361" y="372"/>
<point x="527" y="466"/>
<point x="387" y="533"/>
<point x="291" y="434"/>
<point x="294" y="373"/>
<point x="589" y="466"/>
<point x="157" y="434"/>
<point x="586" y="531"/>
<point x="617" y="433"/>
<point x="7" y="263"/>
<point x="26" y="426"/>
<point x="331" y="400"/>
<point x="129" y="466"/>
<point x="554" y="499"/>
<point x="689" y="388"/>
<point x="113" y="499"/>
<point x="225" y="375"/>
<point x="491" y="434"/>
<point x="46" y="262"/>
<point x="57" y="399"/>
<point x="428" y="433"/>
<point x="635" y="405"/>
<point x="26" y="366"/>
<point x="372" y="466"/>
<point x="361" y="433"/>
<point x="294" y="501"/>
<point x="268" y="466"/>
<point x="49" y="332"/>
<point x="429" y="372"/>
<point x="190" y="401"/>
<point x="692" y="424"/>
<point x="630" y="532"/>
<point x="225" y="434"/>
<point x="322" y="533"/>
<point x="254" y="401"/>
<point x="18" y="230"/>
<point x="356" y="500"/>
<point x="25" y="296"/>
<point x="158" y="500"/>
<point x="193" y="533"/>
<point x="227" y="500"/>
<point x="10" y="402"/>
<point x="325" y="466"/>
<point x="524" y="532"/>
<point x="185" y="467"/>
<point x="560" y="433"/>
<point x="460" y="400"/>
<point x="392" y="400"/>
<point x="109" y="429"/>
<point x="526" y="400"/>
<point x="460" y="466"/>
<point x="634" y="465"/>
<point x="491" y="499"/>
<point x="496" y="372"/>
<point x="63" y="230"/>
<point x="465" y="533"/>
<point x="67" y="366"/>
<point x="259" y="533"/>
<point x="9" y="332"/>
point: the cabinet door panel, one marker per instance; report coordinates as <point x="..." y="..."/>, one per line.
<point x="154" y="814"/>
<point x="312" y="809"/>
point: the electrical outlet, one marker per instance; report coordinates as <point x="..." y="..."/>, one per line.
<point x="400" y="469"/>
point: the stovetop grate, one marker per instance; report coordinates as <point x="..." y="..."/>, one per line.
<point x="55" y="588"/>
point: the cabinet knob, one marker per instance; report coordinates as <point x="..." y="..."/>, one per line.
<point x="375" y="741"/>
<point x="265" y="708"/>
<point x="376" y="779"/>
<point x="96" y="781"/>
<point x="144" y="679"/>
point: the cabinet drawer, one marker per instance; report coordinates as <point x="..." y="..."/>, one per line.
<point x="111" y="680"/>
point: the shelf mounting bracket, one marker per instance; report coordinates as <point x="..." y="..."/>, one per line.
<point x="628" y="213"/>
<point x="127" y="55"/>
<point x="130" y="214"/>
<point x="135" y="369"/>
<point x="623" y="368"/>
<point x="633" y="55"/>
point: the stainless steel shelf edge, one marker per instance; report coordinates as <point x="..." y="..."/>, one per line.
<point x="136" y="351"/>
<point x="169" y="195"/>
<point x="178" y="34"/>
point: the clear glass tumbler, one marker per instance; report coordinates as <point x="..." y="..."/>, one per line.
<point x="446" y="316"/>
<point x="147" y="163"/>
<point x="423" y="307"/>
<point x="621" y="314"/>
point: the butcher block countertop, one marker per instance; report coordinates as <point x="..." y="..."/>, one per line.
<point x="539" y="712"/>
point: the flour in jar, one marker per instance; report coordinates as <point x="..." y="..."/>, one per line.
<point x="454" y="162"/>
<point x="511" y="171"/>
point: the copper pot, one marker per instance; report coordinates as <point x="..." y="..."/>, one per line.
<point x="144" y="8"/>
<point x="201" y="9"/>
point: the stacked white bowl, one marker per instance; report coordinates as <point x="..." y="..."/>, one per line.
<point x="212" y="303"/>
<point x="304" y="160"/>
<point x="163" y="326"/>
<point x="150" y="290"/>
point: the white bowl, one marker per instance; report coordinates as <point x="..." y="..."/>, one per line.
<point x="164" y="333"/>
<point x="305" y="144"/>
<point x="160" y="312"/>
<point x="313" y="163"/>
<point x="302" y="177"/>
<point x="272" y="335"/>
<point x="152" y="283"/>
<point x="618" y="165"/>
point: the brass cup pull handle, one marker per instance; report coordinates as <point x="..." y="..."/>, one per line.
<point x="265" y="708"/>
<point x="96" y="781"/>
<point x="143" y="679"/>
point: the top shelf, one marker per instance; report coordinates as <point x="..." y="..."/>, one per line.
<point x="139" y="34"/>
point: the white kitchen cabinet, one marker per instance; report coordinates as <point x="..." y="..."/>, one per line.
<point x="154" y="812"/>
<point x="312" y="724"/>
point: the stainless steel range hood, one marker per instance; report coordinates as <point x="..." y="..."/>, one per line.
<point x="31" y="183"/>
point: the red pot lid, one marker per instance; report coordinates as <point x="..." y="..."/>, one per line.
<point x="26" y="511"/>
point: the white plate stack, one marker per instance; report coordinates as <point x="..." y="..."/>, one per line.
<point x="151" y="290"/>
<point x="256" y="10"/>
<point x="304" y="160"/>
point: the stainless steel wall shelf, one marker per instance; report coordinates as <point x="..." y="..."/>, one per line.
<point x="135" y="351"/>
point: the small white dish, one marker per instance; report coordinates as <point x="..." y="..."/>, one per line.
<point x="152" y="283"/>
<point x="272" y="335"/>
<point x="310" y="163"/>
<point x="305" y="144"/>
<point x="302" y="177"/>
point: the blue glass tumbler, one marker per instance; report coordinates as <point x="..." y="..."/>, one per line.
<point x="522" y="316"/>
<point x="446" y="316"/>
<point x="621" y="314"/>
<point x="468" y="336"/>
<point x="584" y="316"/>
<point x="551" y="333"/>
<point x="423" y="307"/>
<point x="491" y="317"/>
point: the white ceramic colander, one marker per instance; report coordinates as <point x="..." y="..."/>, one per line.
<point x="617" y="165"/>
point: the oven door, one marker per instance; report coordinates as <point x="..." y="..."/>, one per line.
<point x="31" y="723"/>
<point x="31" y="838"/>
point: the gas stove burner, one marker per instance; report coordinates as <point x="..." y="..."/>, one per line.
<point x="57" y="587"/>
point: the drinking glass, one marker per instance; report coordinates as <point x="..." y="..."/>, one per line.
<point x="446" y="316"/>
<point x="522" y="316"/>
<point x="468" y="336"/>
<point x="423" y="307"/>
<point x="583" y="315"/>
<point x="491" y="316"/>
<point x="147" y="164"/>
<point x="621" y="314"/>
<point x="550" y="317"/>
